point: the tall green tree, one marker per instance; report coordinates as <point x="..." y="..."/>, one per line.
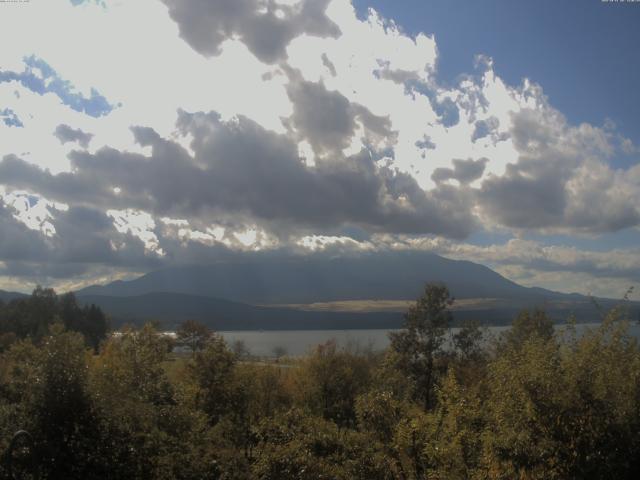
<point x="211" y="371"/>
<point x="329" y="381"/>
<point x="33" y="317"/>
<point x="88" y="320"/>
<point x="421" y="340"/>
<point x="64" y="420"/>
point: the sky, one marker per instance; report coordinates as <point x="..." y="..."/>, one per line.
<point x="140" y="135"/>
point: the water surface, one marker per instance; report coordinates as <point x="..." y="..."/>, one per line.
<point x="301" y="342"/>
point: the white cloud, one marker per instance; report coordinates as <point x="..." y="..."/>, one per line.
<point x="139" y="224"/>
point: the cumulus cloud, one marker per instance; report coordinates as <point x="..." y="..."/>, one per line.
<point x="266" y="27"/>
<point x="464" y="171"/>
<point x="488" y="127"/>
<point x="328" y="120"/>
<point x="85" y="242"/>
<point x="240" y="169"/>
<point x="561" y="180"/>
<point x="17" y="241"/>
<point x="65" y="134"/>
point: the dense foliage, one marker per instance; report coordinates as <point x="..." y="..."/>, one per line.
<point x="533" y="403"/>
<point x="32" y="317"/>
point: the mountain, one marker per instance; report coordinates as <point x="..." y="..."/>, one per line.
<point x="367" y="291"/>
<point x="320" y="293"/>
<point x="8" y="296"/>
<point x="268" y="280"/>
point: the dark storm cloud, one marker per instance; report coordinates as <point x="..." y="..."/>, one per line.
<point x="464" y="171"/>
<point x="264" y="26"/>
<point x="65" y="134"/>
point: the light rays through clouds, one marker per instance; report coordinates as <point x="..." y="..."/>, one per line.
<point x="148" y="133"/>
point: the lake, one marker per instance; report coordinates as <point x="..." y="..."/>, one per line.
<point x="301" y="342"/>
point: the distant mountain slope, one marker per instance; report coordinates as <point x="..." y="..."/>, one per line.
<point x="170" y="309"/>
<point x="175" y="294"/>
<point x="388" y="276"/>
<point x="173" y="308"/>
<point x="8" y="296"/>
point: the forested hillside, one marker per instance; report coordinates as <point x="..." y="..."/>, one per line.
<point x="31" y="317"/>
<point x="530" y="404"/>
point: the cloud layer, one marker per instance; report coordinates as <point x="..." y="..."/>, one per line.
<point x="291" y="126"/>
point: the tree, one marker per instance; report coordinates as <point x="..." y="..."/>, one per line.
<point x="90" y="320"/>
<point x="65" y="423"/>
<point x="296" y="446"/>
<point x="211" y="370"/>
<point x="528" y="325"/>
<point x="96" y="325"/>
<point x="421" y="340"/>
<point x="565" y="408"/>
<point x="468" y="340"/>
<point x="279" y="351"/>
<point x="33" y="316"/>
<point x="454" y="446"/>
<point x="136" y="402"/>
<point x="239" y="347"/>
<point x="330" y="380"/>
<point x="194" y="335"/>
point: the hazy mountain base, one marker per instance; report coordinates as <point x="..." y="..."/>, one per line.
<point x="170" y="309"/>
<point x="8" y="296"/>
<point x="368" y="306"/>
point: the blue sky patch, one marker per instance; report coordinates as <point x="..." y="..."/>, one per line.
<point x="583" y="52"/>
<point x="76" y="3"/>
<point x="41" y="78"/>
<point x="10" y="118"/>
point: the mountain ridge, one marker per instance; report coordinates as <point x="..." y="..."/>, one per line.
<point x="171" y="309"/>
<point x="319" y="293"/>
<point x="7" y="296"/>
<point x="395" y="276"/>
